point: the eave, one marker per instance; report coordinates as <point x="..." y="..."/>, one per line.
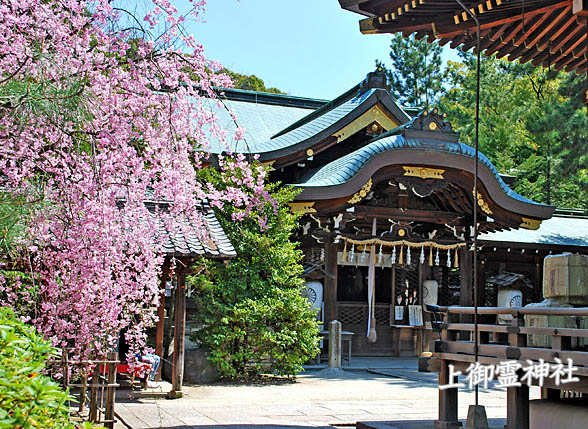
<point x="547" y="33"/>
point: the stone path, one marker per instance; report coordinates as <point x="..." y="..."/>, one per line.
<point x="318" y="398"/>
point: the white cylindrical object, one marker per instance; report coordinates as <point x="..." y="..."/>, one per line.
<point x="430" y="292"/>
<point x="313" y="292"/>
<point x="508" y="298"/>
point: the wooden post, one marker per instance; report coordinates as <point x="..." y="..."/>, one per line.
<point x="65" y="357"/>
<point x="517" y="407"/>
<point x="161" y="316"/>
<point x="538" y="280"/>
<point x="517" y="398"/>
<point x="481" y="282"/>
<point x="93" y="417"/>
<point x="466" y="295"/>
<point x="83" y="388"/>
<point x="110" y="390"/>
<point x="466" y="291"/>
<point x="330" y="281"/>
<point x="179" y="334"/>
<point x="447" y="401"/>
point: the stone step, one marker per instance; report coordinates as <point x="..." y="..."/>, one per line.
<point x="419" y="424"/>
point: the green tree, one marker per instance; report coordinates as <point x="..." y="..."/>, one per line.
<point x="27" y="398"/>
<point x="416" y="74"/>
<point x="561" y="129"/>
<point x="531" y="125"/>
<point x="250" y="82"/>
<point x="251" y="314"/>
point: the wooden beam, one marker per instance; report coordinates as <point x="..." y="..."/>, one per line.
<point x="528" y="31"/>
<point x="555" y="34"/>
<point x="535" y="38"/>
<point x="408" y="215"/>
<point x="575" y="64"/>
<point x="498" y="33"/>
<point x="493" y="20"/>
<point x="569" y="48"/>
<point x="472" y="42"/>
<point x="563" y="40"/>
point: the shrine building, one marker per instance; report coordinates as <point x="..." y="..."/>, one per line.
<point x="386" y="197"/>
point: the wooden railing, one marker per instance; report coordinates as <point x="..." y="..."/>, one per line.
<point x="91" y="382"/>
<point x="499" y="343"/>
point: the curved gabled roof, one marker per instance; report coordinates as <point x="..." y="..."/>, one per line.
<point x="347" y="174"/>
<point x="302" y="132"/>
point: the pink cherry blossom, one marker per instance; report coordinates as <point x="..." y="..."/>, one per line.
<point x="96" y="115"/>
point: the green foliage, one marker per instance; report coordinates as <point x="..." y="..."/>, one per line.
<point x="251" y="82"/>
<point x="19" y="291"/>
<point x="27" y="398"/>
<point x="416" y="76"/>
<point x="532" y="125"/>
<point x="15" y="212"/>
<point x="252" y="316"/>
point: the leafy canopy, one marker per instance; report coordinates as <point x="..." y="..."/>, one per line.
<point x="250" y="82"/>
<point x="532" y="125"/>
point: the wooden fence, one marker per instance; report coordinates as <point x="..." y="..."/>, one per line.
<point x="499" y="343"/>
<point x="93" y="385"/>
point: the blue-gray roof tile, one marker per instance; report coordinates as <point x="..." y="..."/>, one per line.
<point x="343" y="169"/>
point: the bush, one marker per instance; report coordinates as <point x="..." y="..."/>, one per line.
<point x="252" y="316"/>
<point x="27" y="398"/>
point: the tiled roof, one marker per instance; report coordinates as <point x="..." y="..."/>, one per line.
<point x="260" y="121"/>
<point x="315" y="125"/>
<point x="559" y="231"/>
<point x="343" y="169"/>
<point x="180" y="243"/>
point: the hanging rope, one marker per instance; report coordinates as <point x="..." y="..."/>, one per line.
<point x="410" y="244"/>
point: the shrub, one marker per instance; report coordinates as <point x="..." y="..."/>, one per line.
<point x="252" y="316"/>
<point x="27" y="398"/>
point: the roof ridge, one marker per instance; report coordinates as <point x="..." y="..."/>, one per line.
<point x="347" y="95"/>
<point x="270" y="98"/>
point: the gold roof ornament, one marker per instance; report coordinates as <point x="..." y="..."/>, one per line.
<point x="423" y="172"/>
<point x="303" y="208"/>
<point x="362" y="193"/>
<point x="483" y="204"/>
<point x="529" y="223"/>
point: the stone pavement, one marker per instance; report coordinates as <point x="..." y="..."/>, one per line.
<point x="381" y="390"/>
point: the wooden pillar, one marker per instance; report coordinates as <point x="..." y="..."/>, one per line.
<point x="481" y="281"/>
<point x="517" y="398"/>
<point x="161" y="315"/>
<point x="517" y="407"/>
<point x="110" y="390"/>
<point x="179" y="333"/>
<point x="330" y="295"/>
<point x="447" y="400"/>
<point x="466" y="290"/>
<point x="538" y="280"/>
